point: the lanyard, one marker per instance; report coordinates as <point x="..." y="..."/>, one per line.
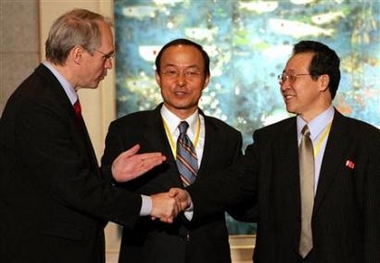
<point x="173" y="145"/>
<point x="317" y="148"/>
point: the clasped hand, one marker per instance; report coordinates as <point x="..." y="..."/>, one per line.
<point x="166" y="206"/>
<point x="130" y="165"/>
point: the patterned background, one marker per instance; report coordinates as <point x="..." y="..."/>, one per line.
<point x="249" y="43"/>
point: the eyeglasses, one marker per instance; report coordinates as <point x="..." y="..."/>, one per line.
<point x="189" y="73"/>
<point x="106" y="56"/>
<point x="292" y="78"/>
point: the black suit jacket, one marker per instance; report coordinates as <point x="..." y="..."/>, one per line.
<point x="346" y="215"/>
<point x="53" y="200"/>
<point x="182" y="241"/>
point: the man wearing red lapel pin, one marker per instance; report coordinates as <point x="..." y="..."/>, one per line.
<point x="316" y="176"/>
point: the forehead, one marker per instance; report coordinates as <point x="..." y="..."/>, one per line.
<point x="106" y="35"/>
<point x="299" y="61"/>
<point x="182" y="55"/>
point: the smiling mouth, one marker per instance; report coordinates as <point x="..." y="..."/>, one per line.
<point x="287" y="97"/>
<point x="180" y="93"/>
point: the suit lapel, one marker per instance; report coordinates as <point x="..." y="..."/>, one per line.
<point x="155" y="133"/>
<point x="335" y="147"/>
<point x="63" y="103"/>
<point x="210" y="144"/>
<point x="89" y="147"/>
<point x="155" y="136"/>
<point x="286" y="156"/>
<point x="212" y="148"/>
<point x="59" y="95"/>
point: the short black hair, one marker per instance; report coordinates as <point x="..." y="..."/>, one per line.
<point x="325" y="61"/>
<point x="185" y="42"/>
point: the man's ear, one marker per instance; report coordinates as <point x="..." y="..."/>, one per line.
<point x="207" y="80"/>
<point x="76" y="54"/>
<point x="324" y="81"/>
<point x="158" y="78"/>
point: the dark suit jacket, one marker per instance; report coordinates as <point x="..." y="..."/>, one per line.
<point x="346" y="215"/>
<point x="182" y="241"/>
<point x="53" y="200"/>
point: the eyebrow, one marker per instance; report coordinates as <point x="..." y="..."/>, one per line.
<point x="186" y="67"/>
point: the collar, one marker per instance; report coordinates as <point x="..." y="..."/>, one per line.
<point x="67" y="87"/>
<point x="173" y="121"/>
<point x="318" y="124"/>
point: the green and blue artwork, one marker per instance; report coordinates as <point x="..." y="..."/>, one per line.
<point x="249" y="43"/>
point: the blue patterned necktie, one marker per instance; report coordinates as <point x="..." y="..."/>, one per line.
<point x="187" y="161"/>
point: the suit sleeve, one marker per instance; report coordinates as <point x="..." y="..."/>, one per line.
<point x="236" y="185"/>
<point x="372" y="201"/>
<point x="113" y="147"/>
<point x="246" y="210"/>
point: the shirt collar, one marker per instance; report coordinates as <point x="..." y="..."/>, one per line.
<point x="172" y="121"/>
<point x="318" y="124"/>
<point x="67" y="87"/>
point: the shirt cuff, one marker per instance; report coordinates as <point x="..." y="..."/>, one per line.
<point x="146" y="206"/>
<point x="189" y="212"/>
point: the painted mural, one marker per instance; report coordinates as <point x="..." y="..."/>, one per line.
<point x="249" y="43"/>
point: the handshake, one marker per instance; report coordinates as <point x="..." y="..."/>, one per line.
<point x="166" y="206"/>
<point x="130" y="165"/>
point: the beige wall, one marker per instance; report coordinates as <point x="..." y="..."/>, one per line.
<point x="19" y="47"/>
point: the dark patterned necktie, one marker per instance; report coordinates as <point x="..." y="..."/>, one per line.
<point x="306" y="160"/>
<point x="187" y="161"/>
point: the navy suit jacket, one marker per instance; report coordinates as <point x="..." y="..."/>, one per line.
<point x="182" y="241"/>
<point x="346" y="214"/>
<point x="54" y="203"/>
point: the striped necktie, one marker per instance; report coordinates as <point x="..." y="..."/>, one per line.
<point x="306" y="160"/>
<point x="187" y="161"/>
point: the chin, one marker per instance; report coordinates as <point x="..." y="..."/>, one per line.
<point x="290" y="109"/>
<point x="92" y="86"/>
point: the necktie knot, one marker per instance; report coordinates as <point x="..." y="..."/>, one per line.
<point x="183" y="126"/>
<point x="305" y="131"/>
<point x="77" y="108"/>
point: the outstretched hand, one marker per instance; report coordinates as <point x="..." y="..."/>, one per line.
<point x="129" y="165"/>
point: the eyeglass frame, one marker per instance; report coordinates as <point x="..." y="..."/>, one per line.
<point x="190" y="73"/>
<point x="292" y="78"/>
<point x="106" y="56"/>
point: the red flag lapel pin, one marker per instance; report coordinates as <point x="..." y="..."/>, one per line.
<point x="350" y="164"/>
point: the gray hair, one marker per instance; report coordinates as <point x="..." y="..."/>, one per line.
<point x="76" y="27"/>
